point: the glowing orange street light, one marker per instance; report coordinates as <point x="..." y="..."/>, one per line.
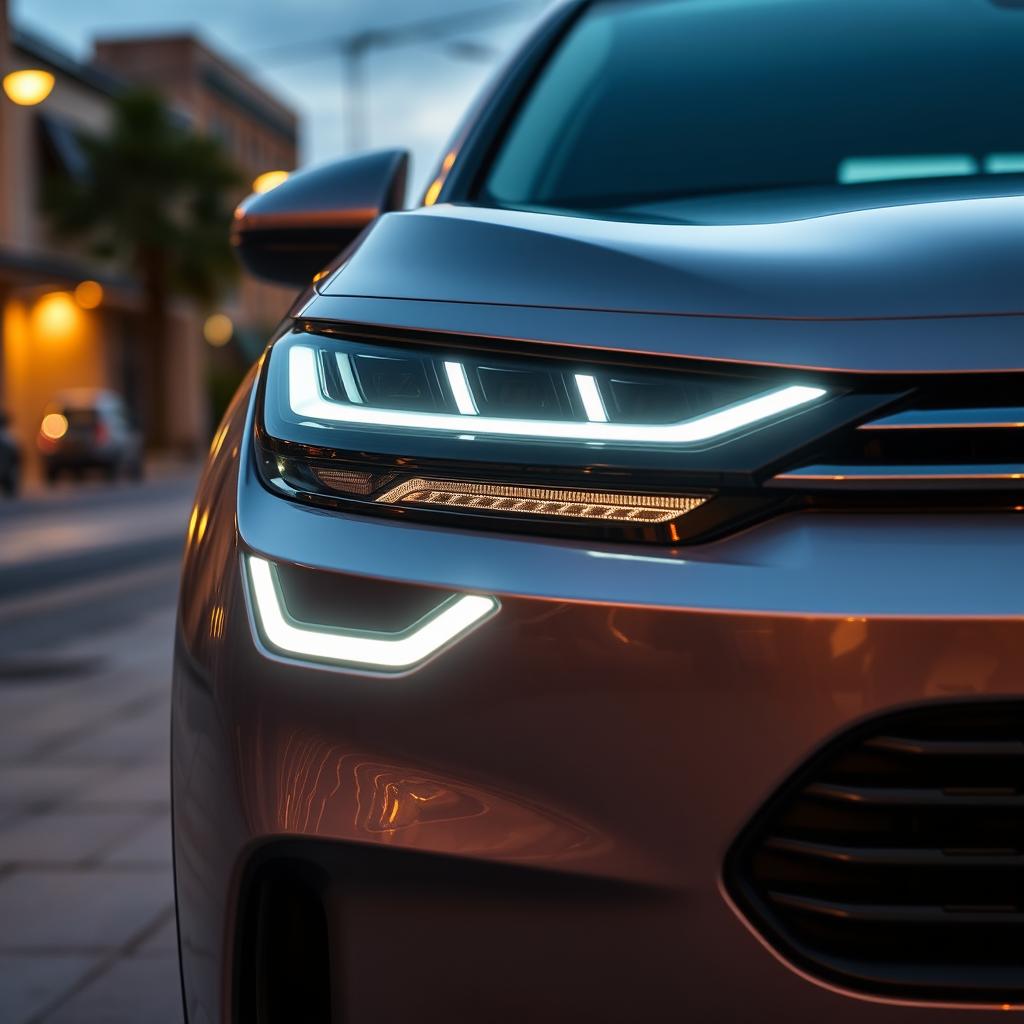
<point x="28" y="87"/>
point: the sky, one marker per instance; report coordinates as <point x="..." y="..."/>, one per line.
<point x="416" y="94"/>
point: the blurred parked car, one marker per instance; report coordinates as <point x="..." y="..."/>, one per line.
<point x="89" y="429"/>
<point x="10" y="458"/>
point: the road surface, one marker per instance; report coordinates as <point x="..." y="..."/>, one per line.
<point x="88" y="576"/>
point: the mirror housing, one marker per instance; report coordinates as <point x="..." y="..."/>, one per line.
<point x="290" y="233"/>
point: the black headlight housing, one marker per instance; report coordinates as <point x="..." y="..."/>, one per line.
<point x="547" y="442"/>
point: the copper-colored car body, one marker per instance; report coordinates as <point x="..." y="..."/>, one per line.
<point x="535" y="823"/>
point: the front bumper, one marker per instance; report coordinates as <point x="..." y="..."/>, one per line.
<point x="533" y="825"/>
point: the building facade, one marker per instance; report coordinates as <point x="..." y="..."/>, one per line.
<point x="259" y="133"/>
<point x="54" y="334"/>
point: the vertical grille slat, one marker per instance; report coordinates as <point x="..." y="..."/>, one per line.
<point x="893" y="862"/>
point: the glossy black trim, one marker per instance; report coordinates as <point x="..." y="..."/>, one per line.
<point x="735" y="470"/>
<point x="741" y="459"/>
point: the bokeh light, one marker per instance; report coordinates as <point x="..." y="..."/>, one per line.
<point x="89" y="294"/>
<point x="268" y="180"/>
<point x="28" y="87"/>
<point x="55" y="426"/>
<point x="218" y="329"/>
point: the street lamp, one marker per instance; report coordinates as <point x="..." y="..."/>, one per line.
<point x="357" y="46"/>
<point x="28" y="87"/>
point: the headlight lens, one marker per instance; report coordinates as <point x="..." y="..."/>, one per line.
<point x="511" y="440"/>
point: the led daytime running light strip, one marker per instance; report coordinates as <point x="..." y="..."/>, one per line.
<point x="542" y="501"/>
<point x="387" y="651"/>
<point x="307" y="401"/>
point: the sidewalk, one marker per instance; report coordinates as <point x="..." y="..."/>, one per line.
<point x="86" y="903"/>
<point x="159" y="468"/>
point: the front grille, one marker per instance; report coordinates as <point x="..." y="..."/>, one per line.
<point x="893" y="862"/>
<point x="948" y="440"/>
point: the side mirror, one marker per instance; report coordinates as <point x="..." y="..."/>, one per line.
<point x="288" y="234"/>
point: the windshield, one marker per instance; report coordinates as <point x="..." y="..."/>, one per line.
<point x="648" y="103"/>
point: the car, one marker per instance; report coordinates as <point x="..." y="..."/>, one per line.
<point x="602" y="601"/>
<point x="89" y="428"/>
<point x="10" y="458"/>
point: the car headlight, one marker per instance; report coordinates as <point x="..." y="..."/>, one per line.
<point x="551" y="444"/>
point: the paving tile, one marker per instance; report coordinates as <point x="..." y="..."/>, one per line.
<point x="76" y="712"/>
<point x="61" y="837"/>
<point x="150" y="845"/>
<point x="128" y="740"/>
<point x="17" y="747"/>
<point x="163" y="942"/>
<point x="84" y="778"/>
<point x="66" y="717"/>
<point x="9" y="813"/>
<point x="23" y="700"/>
<point x="136" y="989"/>
<point x="28" y="984"/>
<point x="79" y="910"/>
<point x="147" y="783"/>
<point x="24" y="784"/>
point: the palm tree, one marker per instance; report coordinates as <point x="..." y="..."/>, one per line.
<point x="155" y="200"/>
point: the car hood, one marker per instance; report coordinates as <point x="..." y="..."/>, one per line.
<point x="950" y="258"/>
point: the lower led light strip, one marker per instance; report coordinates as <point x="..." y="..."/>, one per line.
<point x="541" y="501"/>
<point x="307" y="400"/>
<point x="386" y="651"/>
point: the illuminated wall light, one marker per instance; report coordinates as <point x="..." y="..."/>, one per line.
<point x="389" y="651"/>
<point x="28" y="87"/>
<point x="269" y="180"/>
<point x="458" y="381"/>
<point x="89" y="294"/>
<point x="56" y="317"/>
<point x="509" y="499"/>
<point x="218" y="329"/>
<point x="590" y="396"/>
<point x="307" y="400"/>
<point x="54" y="426"/>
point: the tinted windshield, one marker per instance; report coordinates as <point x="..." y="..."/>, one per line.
<point x="655" y="101"/>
